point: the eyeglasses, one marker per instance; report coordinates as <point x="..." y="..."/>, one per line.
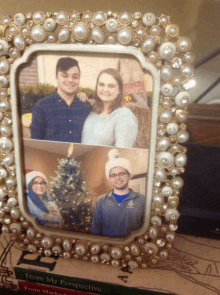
<point x="42" y="183"/>
<point x="119" y="174"/>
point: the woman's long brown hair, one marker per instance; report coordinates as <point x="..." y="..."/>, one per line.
<point x="98" y="106"/>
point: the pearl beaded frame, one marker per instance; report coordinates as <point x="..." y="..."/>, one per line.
<point x="161" y="45"/>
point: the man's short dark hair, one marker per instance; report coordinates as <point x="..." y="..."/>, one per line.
<point x="65" y="63"/>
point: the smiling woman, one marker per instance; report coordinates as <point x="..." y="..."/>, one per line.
<point x="110" y="123"/>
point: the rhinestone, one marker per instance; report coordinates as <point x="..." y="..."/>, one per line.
<point x="159" y="40"/>
<point x="173" y="227"/>
<point x="160" y="242"/>
<point x="177" y="62"/>
<point x="109" y="13"/>
<point x="126" y="249"/>
<point x="161" y="132"/>
<point x="173" y="217"/>
<point x="137" y="15"/>
<point x="135" y="24"/>
<point x="157" y="184"/>
<point x="136" y="43"/>
<point x="91" y="25"/>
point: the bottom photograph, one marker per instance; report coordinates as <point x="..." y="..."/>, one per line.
<point x="86" y="189"/>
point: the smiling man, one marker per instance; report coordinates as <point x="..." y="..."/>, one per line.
<point x="120" y="211"/>
<point x="61" y="115"/>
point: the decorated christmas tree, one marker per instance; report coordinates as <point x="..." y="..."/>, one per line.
<point x="68" y="191"/>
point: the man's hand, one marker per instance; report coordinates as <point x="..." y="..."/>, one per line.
<point x="82" y="96"/>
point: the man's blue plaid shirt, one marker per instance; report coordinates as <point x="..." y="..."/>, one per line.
<point x="53" y="119"/>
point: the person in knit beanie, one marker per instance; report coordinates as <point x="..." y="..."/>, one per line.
<point x="37" y="201"/>
<point x="120" y="211"/>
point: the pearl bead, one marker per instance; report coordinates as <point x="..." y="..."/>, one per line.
<point x="163" y="20"/>
<point x="115" y="263"/>
<point x="2" y="194"/>
<point x="67" y="245"/>
<point x="38" y="17"/>
<point x="5" y="130"/>
<point x="38" y="33"/>
<point x="62" y="18"/>
<point x="173" y="203"/>
<point x="80" y="31"/>
<point x="99" y="18"/>
<point x="150" y="246"/>
<point x="170" y="237"/>
<point x="25" y="31"/>
<point x="172" y="128"/>
<point x="19" y="42"/>
<point x="171" y="215"/>
<point x="156" y="220"/>
<point x="51" y="38"/>
<point x="50" y="25"/>
<point x="165" y="160"/>
<point x="158" y="200"/>
<point x="13" y="30"/>
<point x="47" y="252"/>
<point x="7" y="160"/>
<point x="4" y="66"/>
<point x="174" y="171"/>
<point x="183" y="99"/>
<point x="140" y="33"/>
<point x="5" y="229"/>
<point x="167" y="50"/>
<point x="184" y="44"/>
<point x="95" y="249"/>
<point x="153" y="57"/>
<point x="180" y="160"/>
<point x="15" y="227"/>
<point x="5" y="145"/>
<point x="87" y="16"/>
<point x="56" y="249"/>
<point x="148" y="45"/>
<point x="63" y="35"/>
<point x="116" y="253"/>
<point x="112" y="25"/>
<point x="166" y="73"/>
<point x="47" y="242"/>
<point x="105" y="257"/>
<point x="4" y="105"/>
<point x="182" y="136"/>
<point x="167" y="191"/>
<point x="66" y="255"/>
<point x="19" y="19"/>
<point x="75" y="16"/>
<point x="3" y="173"/>
<point x="165" y="117"/>
<point x="164" y="254"/>
<point x="164" y="143"/>
<point x="125" y="36"/>
<point x="160" y="174"/>
<point x="135" y="250"/>
<point x="31" y="233"/>
<point x="187" y="71"/>
<point x="6" y="21"/>
<point x="111" y="39"/>
<point x="153" y="232"/>
<point x="188" y="57"/>
<point x="32" y="249"/>
<point x="3" y="82"/>
<point x="3" y="47"/>
<point x="98" y="35"/>
<point x="167" y="89"/>
<point x="15" y="213"/>
<point x="95" y="258"/>
<point x="177" y="182"/>
<point x="155" y="31"/>
<point x="3" y="94"/>
<point x="157" y="210"/>
<point x="125" y="18"/>
<point x="10" y="181"/>
<point x="149" y="19"/>
<point x="133" y="264"/>
<point x="12" y="202"/>
<point x="80" y="249"/>
<point x="172" y="31"/>
<point x="177" y="80"/>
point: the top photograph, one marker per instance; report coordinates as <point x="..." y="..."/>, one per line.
<point x="90" y="98"/>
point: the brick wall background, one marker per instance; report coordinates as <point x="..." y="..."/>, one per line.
<point x="28" y="73"/>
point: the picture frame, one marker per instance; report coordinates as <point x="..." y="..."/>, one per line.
<point x="154" y="45"/>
